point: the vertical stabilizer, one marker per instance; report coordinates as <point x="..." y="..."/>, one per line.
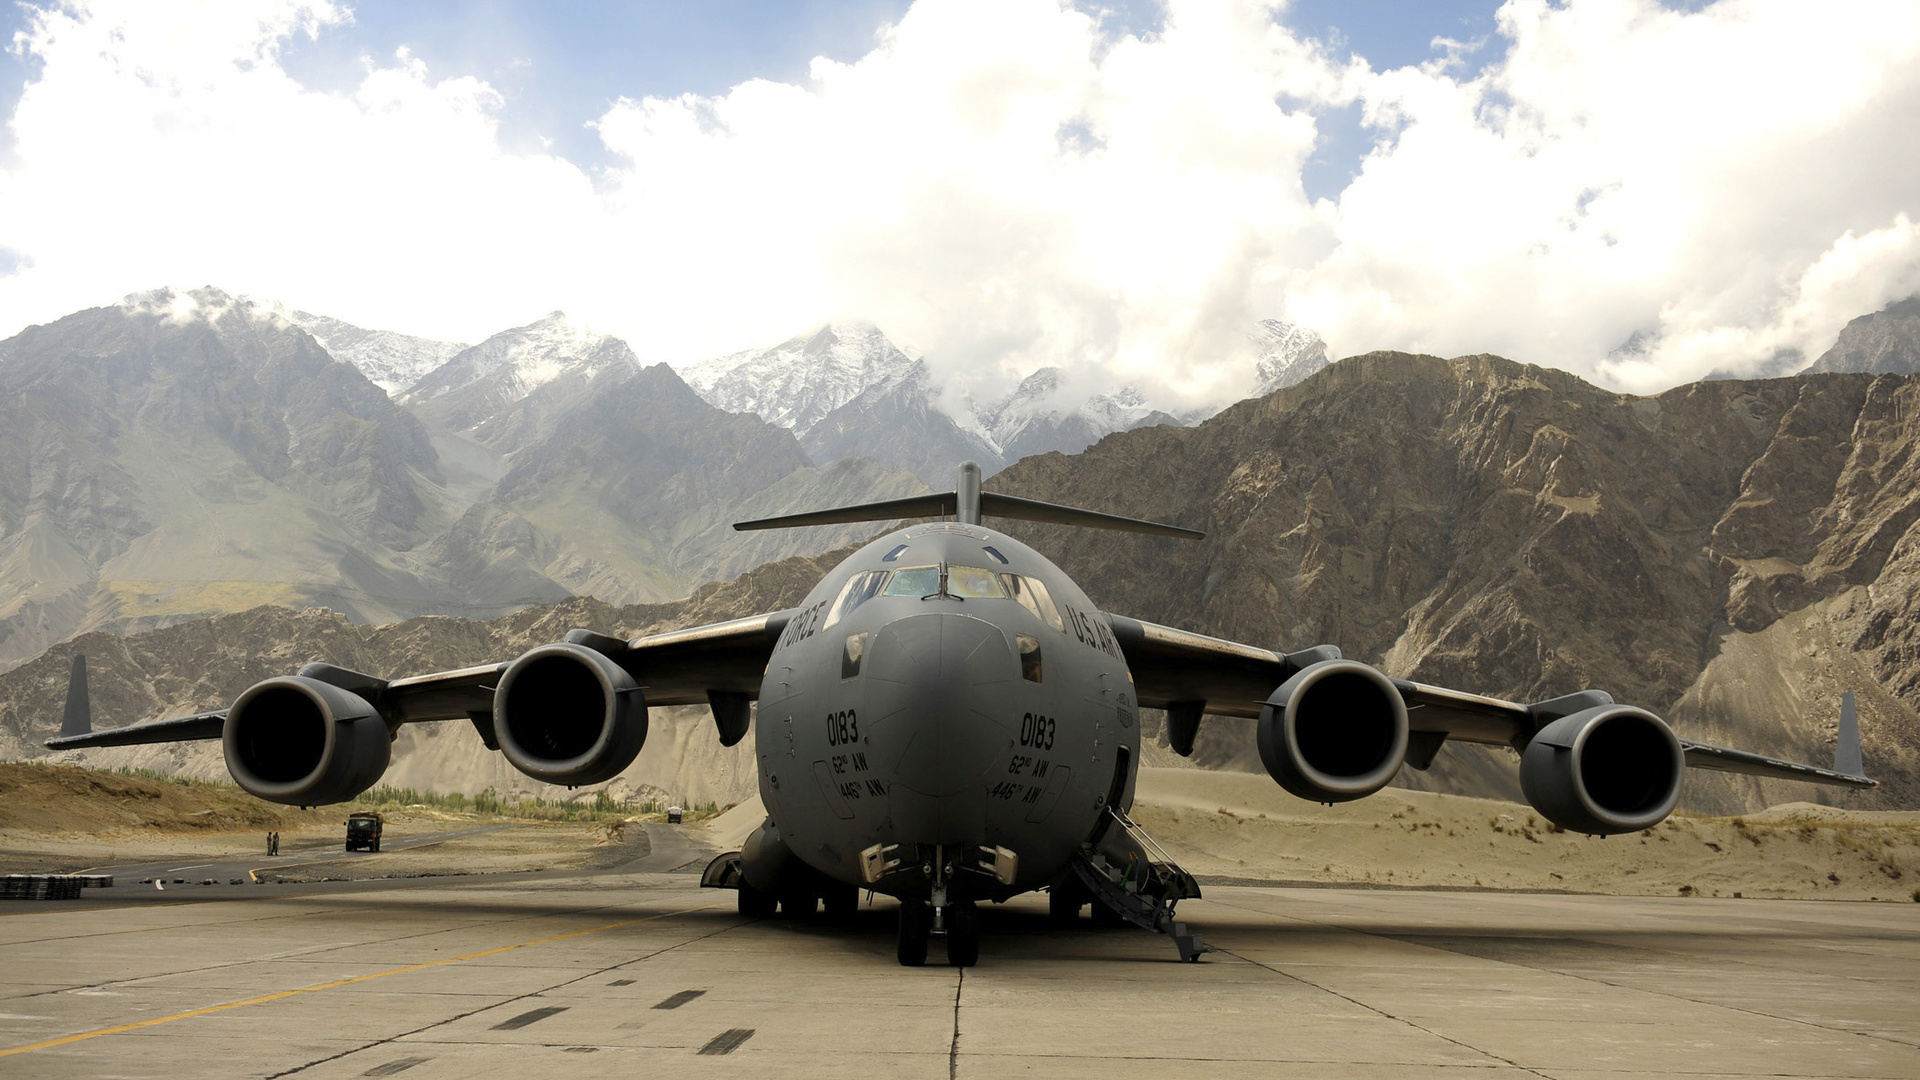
<point x="967" y="494"/>
<point x="78" y="717"/>
<point x="1846" y="748"/>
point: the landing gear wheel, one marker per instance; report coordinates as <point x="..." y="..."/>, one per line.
<point x="963" y="934"/>
<point x="841" y="902"/>
<point x="376" y="845"/>
<point x="755" y="904"/>
<point x="1104" y="915"/>
<point x="916" y="923"/>
<point x="799" y="907"/>
<point x="1064" y="902"/>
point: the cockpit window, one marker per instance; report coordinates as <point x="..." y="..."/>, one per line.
<point x="859" y="589"/>
<point x="914" y="581"/>
<point x="894" y="554"/>
<point x="974" y="583"/>
<point x="1032" y="595"/>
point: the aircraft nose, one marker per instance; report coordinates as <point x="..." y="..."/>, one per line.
<point x="938" y="689"/>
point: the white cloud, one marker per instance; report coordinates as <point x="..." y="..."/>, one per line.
<point x="1005" y="185"/>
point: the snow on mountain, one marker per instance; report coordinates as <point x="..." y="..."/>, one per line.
<point x="392" y="361"/>
<point x="799" y="381"/>
<point x="514" y="363"/>
<point x="1288" y="354"/>
<point x="1031" y="420"/>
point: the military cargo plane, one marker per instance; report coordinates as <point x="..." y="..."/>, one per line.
<point x="948" y="719"/>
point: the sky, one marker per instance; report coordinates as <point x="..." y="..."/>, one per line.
<point x="1640" y="192"/>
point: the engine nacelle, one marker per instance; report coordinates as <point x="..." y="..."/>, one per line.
<point x="1336" y="730"/>
<point x="566" y="714"/>
<point x="302" y="742"/>
<point x="1610" y="769"/>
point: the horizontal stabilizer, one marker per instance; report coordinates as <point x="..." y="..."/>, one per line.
<point x="919" y="506"/>
<point x="970" y="504"/>
<point x="1723" y="759"/>
<point x="1008" y="506"/>
<point x="200" y="726"/>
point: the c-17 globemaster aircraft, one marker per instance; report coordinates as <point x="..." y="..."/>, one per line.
<point x="948" y="719"/>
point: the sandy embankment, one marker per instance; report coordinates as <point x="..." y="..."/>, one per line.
<point x="59" y="819"/>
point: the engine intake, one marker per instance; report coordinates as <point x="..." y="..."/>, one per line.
<point x="1335" y="731"/>
<point x="1610" y="769"/>
<point x="302" y="742"/>
<point x="566" y="714"/>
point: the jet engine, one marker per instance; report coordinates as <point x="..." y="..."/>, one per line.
<point x="1610" y="769"/>
<point x="302" y="742"/>
<point x="1336" y="730"/>
<point x="566" y="714"/>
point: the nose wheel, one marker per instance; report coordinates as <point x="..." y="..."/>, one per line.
<point x="959" y="924"/>
<point x="916" y="925"/>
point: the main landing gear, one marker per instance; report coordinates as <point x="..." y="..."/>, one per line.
<point x="958" y="922"/>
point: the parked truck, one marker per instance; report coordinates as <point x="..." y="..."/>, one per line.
<point x="363" y="831"/>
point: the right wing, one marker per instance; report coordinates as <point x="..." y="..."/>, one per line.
<point x="720" y="664"/>
<point x="1189" y="674"/>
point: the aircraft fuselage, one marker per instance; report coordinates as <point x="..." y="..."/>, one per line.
<point x="946" y="691"/>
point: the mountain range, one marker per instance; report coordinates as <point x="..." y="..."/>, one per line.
<point x="1732" y="555"/>
<point x="187" y="453"/>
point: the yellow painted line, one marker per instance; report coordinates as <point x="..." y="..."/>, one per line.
<point x="65" y="1039"/>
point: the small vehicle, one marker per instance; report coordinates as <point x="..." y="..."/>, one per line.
<point x="363" y="831"/>
<point x="675" y="815"/>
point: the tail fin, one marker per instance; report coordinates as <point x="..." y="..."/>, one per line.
<point x="968" y="503"/>
<point x="1846" y="745"/>
<point x="77" y="719"/>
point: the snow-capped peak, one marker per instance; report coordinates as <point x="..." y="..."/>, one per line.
<point x="390" y="360"/>
<point x="799" y="381"/>
<point x="1287" y="355"/>
<point x="519" y="361"/>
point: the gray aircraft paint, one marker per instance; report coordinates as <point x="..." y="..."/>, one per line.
<point x="939" y="739"/>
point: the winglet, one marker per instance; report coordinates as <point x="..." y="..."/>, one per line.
<point x="1846" y="746"/>
<point x="77" y="719"/>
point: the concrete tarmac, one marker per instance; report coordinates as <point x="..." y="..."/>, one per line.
<point x="640" y="973"/>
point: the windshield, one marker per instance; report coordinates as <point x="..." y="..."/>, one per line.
<point x="974" y="583"/>
<point x="914" y="581"/>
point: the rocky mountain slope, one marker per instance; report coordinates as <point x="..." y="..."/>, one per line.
<point x="1887" y="341"/>
<point x="206" y="663"/>
<point x="1732" y="555"/>
<point x="186" y="452"/>
<point x="632" y="497"/>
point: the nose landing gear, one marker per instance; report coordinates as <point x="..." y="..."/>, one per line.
<point x="958" y="922"/>
<point x="955" y="920"/>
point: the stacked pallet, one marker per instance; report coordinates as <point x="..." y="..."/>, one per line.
<point x="50" y="886"/>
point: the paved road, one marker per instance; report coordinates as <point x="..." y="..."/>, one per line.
<point x="187" y="872"/>
<point x="625" y="974"/>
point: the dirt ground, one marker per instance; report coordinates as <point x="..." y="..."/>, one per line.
<point x="1238" y="825"/>
<point x="1220" y="825"/>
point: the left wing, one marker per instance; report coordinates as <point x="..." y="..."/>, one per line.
<point x="720" y="664"/>
<point x="1189" y="674"/>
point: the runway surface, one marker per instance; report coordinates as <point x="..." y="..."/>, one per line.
<point x="640" y="972"/>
